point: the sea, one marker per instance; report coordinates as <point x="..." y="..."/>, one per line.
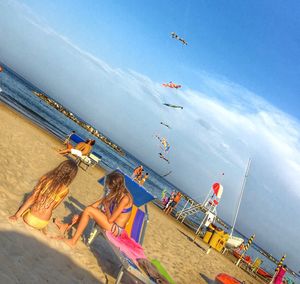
<point x="18" y="94"/>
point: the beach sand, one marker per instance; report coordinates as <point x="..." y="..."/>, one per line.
<point x="27" y="256"/>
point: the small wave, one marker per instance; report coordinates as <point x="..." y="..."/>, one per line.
<point x="1" y="90"/>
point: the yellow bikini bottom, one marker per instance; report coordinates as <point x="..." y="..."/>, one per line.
<point x="34" y="221"/>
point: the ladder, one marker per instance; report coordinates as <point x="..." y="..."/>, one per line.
<point x="190" y="211"/>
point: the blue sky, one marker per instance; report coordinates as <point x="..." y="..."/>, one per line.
<point x="106" y="61"/>
<point x="253" y="43"/>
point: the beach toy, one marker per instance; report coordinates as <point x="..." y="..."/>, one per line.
<point x="224" y="278"/>
<point x="162" y="270"/>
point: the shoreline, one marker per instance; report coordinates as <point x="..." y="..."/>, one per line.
<point x="189" y="224"/>
<point x="28" y="153"/>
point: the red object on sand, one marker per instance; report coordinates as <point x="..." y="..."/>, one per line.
<point x="246" y="258"/>
<point x="224" y="278"/>
<point x="263" y="273"/>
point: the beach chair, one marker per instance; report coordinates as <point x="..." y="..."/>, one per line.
<point x="256" y="264"/>
<point x="135" y="228"/>
<point x="88" y="161"/>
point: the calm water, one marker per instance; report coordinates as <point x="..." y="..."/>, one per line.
<point x="18" y="94"/>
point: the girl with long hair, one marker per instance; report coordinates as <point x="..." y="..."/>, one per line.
<point x="115" y="213"/>
<point x="49" y="192"/>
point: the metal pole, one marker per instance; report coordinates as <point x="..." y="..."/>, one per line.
<point x="199" y="228"/>
<point x="241" y="195"/>
<point x="183" y="209"/>
<point x="187" y="209"/>
<point x="245" y="249"/>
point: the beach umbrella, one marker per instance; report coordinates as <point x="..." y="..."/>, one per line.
<point x="246" y="247"/>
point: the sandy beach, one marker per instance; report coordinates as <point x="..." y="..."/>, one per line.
<point x="27" y="256"/>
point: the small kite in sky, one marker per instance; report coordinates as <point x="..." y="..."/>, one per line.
<point x="167" y="174"/>
<point x="164" y="158"/>
<point x="171" y="85"/>
<point x="165" y="146"/>
<point x="173" y="106"/>
<point x="166" y="125"/>
<point x="174" y="35"/>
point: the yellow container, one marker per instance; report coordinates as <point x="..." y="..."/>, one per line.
<point x="221" y="244"/>
<point x="207" y="236"/>
<point x="216" y="238"/>
<point x="209" y="232"/>
<point x="222" y="241"/>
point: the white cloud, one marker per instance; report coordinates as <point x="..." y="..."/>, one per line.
<point x="217" y="130"/>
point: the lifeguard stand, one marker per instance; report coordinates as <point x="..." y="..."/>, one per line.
<point x="209" y="206"/>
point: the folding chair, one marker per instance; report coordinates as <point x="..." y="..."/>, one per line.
<point x="135" y="228"/>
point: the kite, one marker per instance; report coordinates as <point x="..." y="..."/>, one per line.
<point x="165" y="146"/>
<point x="164" y="158"/>
<point x="173" y="106"/>
<point x="164" y="194"/>
<point x="167" y="174"/>
<point x="174" y="35"/>
<point x="171" y="85"/>
<point x="166" y="125"/>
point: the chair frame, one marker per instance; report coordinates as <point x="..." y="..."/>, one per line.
<point x="126" y="264"/>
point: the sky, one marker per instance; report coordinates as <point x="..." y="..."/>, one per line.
<point x="106" y="62"/>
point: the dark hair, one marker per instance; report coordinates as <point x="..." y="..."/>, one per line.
<point x="52" y="183"/>
<point x="92" y="142"/>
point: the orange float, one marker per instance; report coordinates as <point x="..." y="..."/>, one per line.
<point x="224" y="278"/>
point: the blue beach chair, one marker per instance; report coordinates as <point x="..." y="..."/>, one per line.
<point x="135" y="228"/>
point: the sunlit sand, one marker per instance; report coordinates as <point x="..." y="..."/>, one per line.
<point x="28" y="256"/>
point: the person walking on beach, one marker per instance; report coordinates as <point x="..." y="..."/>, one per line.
<point x="144" y="178"/>
<point x="164" y="197"/>
<point x="170" y="199"/>
<point x="81" y="149"/>
<point x="174" y="203"/>
<point x="49" y="192"/>
<point x="115" y="211"/>
<point x="137" y="173"/>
